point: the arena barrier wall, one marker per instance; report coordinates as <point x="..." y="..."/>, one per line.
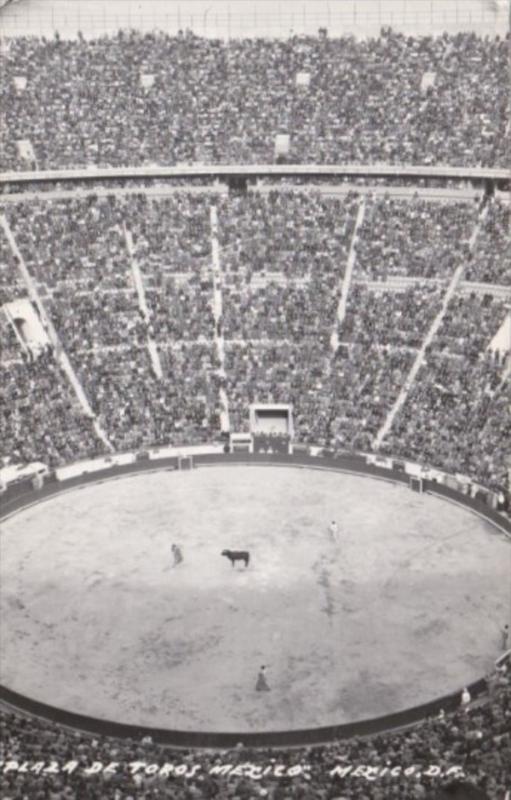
<point x="206" y="739"/>
<point x="22" y="494"/>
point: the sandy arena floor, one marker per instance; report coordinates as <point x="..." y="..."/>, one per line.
<point x="406" y="607"/>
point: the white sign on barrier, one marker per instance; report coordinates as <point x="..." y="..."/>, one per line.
<point x="413" y="469"/>
<point x="191" y="450"/>
<point x="16" y="472"/>
<point x="380" y="461"/>
<point x="94" y="465"/>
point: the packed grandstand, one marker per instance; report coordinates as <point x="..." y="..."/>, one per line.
<point x="169" y="308"/>
<point x="156" y="99"/>
<point x="283" y="257"/>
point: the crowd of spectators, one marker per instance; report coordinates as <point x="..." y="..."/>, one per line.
<point x="490" y="261"/>
<point x="364" y="384"/>
<point x="11" y="287"/>
<point x="379" y="338"/>
<point x="145" y="348"/>
<point x="279" y="311"/>
<point x="170" y="233"/>
<point x="469" y="325"/>
<point x="339" y="401"/>
<point x="277" y="319"/>
<point x="413" y="238"/>
<point x="139" y="99"/>
<point x="279" y="373"/>
<point x="138" y="409"/>
<point x="399" y="319"/>
<point x="283" y="258"/>
<point x="172" y="247"/>
<point x="181" y="311"/>
<point x="87" y="320"/>
<point x="475" y="739"/>
<point x="291" y="233"/>
<point x="9" y="344"/>
<point x="78" y="252"/>
<point x="457" y="415"/>
<point x="457" y="418"/>
<point x="340" y="398"/>
<point x="40" y="418"/>
<point x="79" y="240"/>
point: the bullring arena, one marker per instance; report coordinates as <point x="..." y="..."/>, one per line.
<point x="399" y="608"/>
<point x="255" y="306"/>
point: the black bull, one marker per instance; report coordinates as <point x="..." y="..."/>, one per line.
<point x="237" y="555"/>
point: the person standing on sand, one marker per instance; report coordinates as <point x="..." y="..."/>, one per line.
<point x="333" y="529"/>
<point x="178" y="555"/>
<point x="262" y="683"/>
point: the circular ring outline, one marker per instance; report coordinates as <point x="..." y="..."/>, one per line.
<point x="25" y="496"/>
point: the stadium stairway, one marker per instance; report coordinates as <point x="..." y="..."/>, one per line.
<point x="142" y="302"/>
<point x="217" y="313"/>
<point x="346" y="281"/>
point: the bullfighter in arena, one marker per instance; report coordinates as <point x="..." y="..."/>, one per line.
<point x="262" y="683"/>
<point x="177" y="553"/>
<point x="333" y="529"/>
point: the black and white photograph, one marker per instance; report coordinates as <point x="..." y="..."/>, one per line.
<point x="255" y="400"/>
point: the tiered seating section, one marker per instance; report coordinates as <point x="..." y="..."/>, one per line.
<point x="85" y="102"/>
<point x="282" y="272"/>
<point x="41" y="419"/>
<point x="458" y="412"/>
<point x="401" y="238"/>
